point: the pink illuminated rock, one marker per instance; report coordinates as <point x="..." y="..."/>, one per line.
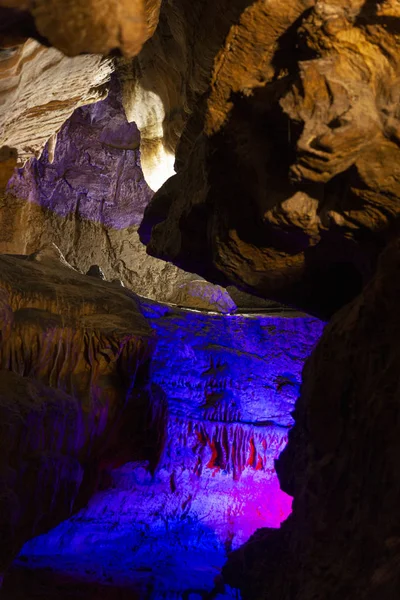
<point x="229" y="385"/>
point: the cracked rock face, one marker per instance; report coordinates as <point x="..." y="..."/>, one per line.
<point x="71" y="348"/>
<point x="288" y="181"/>
<point x="341" y="464"/>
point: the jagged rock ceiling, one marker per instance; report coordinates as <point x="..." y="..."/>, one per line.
<point x="283" y="121"/>
<point x="39" y="89"/>
<point x="79" y="26"/>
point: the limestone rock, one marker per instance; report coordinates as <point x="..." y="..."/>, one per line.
<point x="88" y="199"/>
<point x="39" y="90"/>
<point x="341" y="464"/>
<point x="288" y="180"/>
<point x="78" y="27"/>
<point x="229" y="386"/>
<point x="71" y="348"/>
<point x="164" y="84"/>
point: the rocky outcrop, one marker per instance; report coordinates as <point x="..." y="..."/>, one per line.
<point x="87" y="194"/>
<point x="341" y="464"/>
<point x="287" y="182"/>
<point x="79" y="27"/>
<point x="39" y="90"/>
<point x="72" y="351"/>
<point x="229" y="386"/>
<point x="164" y="84"/>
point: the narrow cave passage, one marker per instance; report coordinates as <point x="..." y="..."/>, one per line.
<point x="223" y="389"/>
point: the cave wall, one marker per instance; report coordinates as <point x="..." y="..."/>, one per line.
<point x="87" y="194"/>
<point x="285" y="125"/>
<point x="71" y="349"/>
<point x="39" y="89"/>
<point x="287" y="182"/>
<point x="342" y="540"/>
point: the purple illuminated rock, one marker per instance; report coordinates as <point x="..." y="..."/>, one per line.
<point x="229" y="385"/>
<point x="87" y="195"/>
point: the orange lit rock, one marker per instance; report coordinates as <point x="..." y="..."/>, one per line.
<point x="71" y="348"/>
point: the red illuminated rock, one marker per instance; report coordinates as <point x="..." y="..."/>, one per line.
<point x="229" y="385"/>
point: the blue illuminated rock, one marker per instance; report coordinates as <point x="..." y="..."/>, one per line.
<point x="228" y="387"/>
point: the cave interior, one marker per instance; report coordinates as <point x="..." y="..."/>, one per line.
<point x="199" y="325"/>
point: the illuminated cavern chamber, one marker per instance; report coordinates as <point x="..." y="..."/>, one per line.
<point x="224" y="388"/>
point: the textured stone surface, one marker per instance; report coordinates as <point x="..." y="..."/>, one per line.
<point x="162" y="87"/>
<point x="87" y="195"/>
<point x="71" y="348"/>
<point x="288" y="181"/>
<point x="39" y="89"/>
<point x="78" y="27"/>
<point x="229" y="385"/>
<point x="341" y="464"/>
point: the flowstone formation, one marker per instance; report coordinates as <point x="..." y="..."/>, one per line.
<point x="228" y="387"/>
<point x="341" y="464"/>
<point x="72" y="351"/>
<point x="288" y="180"/>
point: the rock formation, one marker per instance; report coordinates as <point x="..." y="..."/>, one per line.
<point x="342" y="540"/>
<point x="229" y="385"/>
<point x="71" y="349"/>
<point x="87" y="195"/>
<point x="164" y="84"/>
<point x="283" y="120"/>
<point x="79" y="27"/>
<point x="287" y="182"/>
<point x="39" y="89"/>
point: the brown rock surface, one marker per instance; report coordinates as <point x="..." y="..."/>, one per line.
<point x="87" y="195"/>
<point x="78" y="26"/>
<point x="162" y="87"/>
<point x="288" y="181"/>
<point x="39" y="89"/>
<point x="72" y="350"/>
<point x="341" y="464"/>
